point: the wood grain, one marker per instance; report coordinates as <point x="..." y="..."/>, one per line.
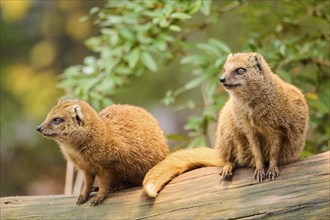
<point x="300" y="192"/>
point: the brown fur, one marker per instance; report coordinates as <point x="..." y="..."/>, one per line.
<point x="177" y="163"/>
<point x="118" y="145"/>
<point x="264" y="122"/>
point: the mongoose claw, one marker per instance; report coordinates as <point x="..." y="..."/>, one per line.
<point x="259" y="175"/>
<point x="226" y="172"/>
<point x="96" y="200"/>
<point x="272" y="173"/>
<point x="82" y="199"/>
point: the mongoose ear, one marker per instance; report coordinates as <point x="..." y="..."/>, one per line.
<point x="229" y="55"/>
<point x="78" y="114"/>
<point x="257" y="60"/>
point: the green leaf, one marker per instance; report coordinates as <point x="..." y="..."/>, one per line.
<point x="192" y="59"/>
<point x="73" y="71"/>
<point x="148" y="61"/>
<point x="133" y="58"/>
<point x="180" y="15"/>
<point x="169" y="98"/>
<point x="94" y="43"/>
<point x="156" y="20"/>
<point x="178" y="91"/>
<point x="194" y="83"/>
<point x="220" y="61"/>
<point x="210" y="88"/>
<point x="209" y="49"/>
<point x="84" y="18"/>
<point x="195" y="6"/>
<point x="206" y="7"/>
<point x="90" y="83"/>
<point x="160" y="45"/>
<point x="126" y="33"/>
<point x="114" y="38"/>
<point x="221" y="45"/>
<point x="94" y="10"/>
<point x="164" y="23"/>
<point x="111" y="65"/>
<point x="176" y="137"/>
<point x="174" y="28"/>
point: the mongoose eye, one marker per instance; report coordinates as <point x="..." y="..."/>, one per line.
<point x="57" y="121"/>
<point x="240" y="71"/>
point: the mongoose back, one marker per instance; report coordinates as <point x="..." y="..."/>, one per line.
<point x="117" y="145"/>
<point x="264" y="123"/>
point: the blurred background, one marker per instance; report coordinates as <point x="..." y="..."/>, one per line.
<point x="41" y="39"/>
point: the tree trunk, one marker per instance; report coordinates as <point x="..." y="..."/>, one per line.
<point x="300" y="192"/>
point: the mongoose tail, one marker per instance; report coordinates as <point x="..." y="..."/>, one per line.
<point x="176" y="164"/>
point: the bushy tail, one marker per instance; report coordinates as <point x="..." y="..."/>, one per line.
<point x="176" y="164"/>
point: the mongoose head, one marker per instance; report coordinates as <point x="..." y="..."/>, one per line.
<point x="243" y="71"/>
<point x="65" y="122"/>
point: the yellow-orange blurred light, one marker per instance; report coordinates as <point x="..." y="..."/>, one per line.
<point x="14" y="10"/>
<point x="43" y="54"/>
<point x="76" y="29"/>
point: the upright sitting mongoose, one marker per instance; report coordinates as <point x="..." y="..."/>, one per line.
<point x="118" y="145"/>
<point x="264" y="123"/>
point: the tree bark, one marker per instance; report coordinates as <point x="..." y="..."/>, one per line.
<point x="300" y="192"/>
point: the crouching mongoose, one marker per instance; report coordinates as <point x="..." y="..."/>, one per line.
<point x="118" y="145"/>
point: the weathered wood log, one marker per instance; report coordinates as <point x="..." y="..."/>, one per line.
<point x="300" y="192"/>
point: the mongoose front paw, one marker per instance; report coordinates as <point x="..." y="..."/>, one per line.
<point x="272" y="173"/>
<point x="82" y="199"/>
<point x="226" y="171"/>
<point x="97" y="200"/>
<point x="259" y="175"/>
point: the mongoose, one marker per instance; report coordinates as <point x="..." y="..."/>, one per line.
<point x="117" y="145"/>
<point x="264" y="123"/>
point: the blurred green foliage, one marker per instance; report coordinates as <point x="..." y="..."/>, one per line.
<point x="142" y="37"/>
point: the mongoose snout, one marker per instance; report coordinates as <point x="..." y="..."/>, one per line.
<point x="223" y="79"/>
<point x="39" y="128"/>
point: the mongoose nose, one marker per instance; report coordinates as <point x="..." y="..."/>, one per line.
<point x="39" y="128"/>
<point x="223" y="79"/>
